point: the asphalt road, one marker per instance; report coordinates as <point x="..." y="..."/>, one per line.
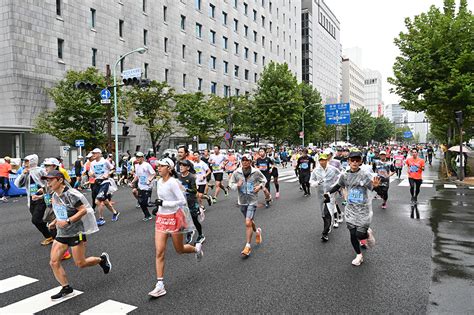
<point x="291" y="271"/>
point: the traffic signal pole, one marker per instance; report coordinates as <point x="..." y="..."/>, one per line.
<point x="109" y="113"/>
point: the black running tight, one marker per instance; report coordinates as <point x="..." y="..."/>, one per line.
<point x="357" y="234"/>
<point x="414" y="186"/>
<point x="197" y="224"/>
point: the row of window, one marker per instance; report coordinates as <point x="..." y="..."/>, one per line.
<point x="327" y="25"/>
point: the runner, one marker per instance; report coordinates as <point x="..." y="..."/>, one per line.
<point x="144" y="175"/>
<point x="324" y="177"/>
<point x="263" y="164"/>
<point x="304" y="166"/>
<point x="416" y="166"/>
<point x="338" y="197"/>
<point x="123" y="164"/>
<point x="217" y="161"/>
<point x="398" y="161"/>
<point x="248" y="181"/>
<point x="5" y="171"/>
<point x="358" y="211"/>
<point x="274" y="172"/>
<point x="31" y="180"/>
<point x="384" y="170"/>
<point x="188" y="181"/>
<point x="78" y="165"/>
<point x="429" y="153"/>
<point x="231" y="163"/>
<point x="101" y="170"/>
<point x="74" y="220"/>
<point x="202" y="173"/>
<point x="173" y="220"/>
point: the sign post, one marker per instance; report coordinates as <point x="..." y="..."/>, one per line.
<point x="79" y="143"/>
<point x="105" y="96"/>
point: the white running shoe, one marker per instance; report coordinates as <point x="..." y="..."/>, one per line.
<point x="358" y="260"/>
<point x="199" y="252"/>
<point x="370" y="239"/>
<point x="159" y="290"/>
<point x="336" y="225"/>
<point x="340" y="218"/>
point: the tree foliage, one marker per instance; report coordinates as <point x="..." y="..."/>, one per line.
<point x="153" y="110"/>
<point x="362" y="127"/>
<point x="384" y="129"/>
<point x="78" y="113"/>
<point x="434" y="70"/>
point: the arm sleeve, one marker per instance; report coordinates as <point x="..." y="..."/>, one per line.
<point x="178" y="194"/>
<point x="261" y="179"/>
<point x="313" y="181"/>
<point x="233" y="181"/>
<point x="20" y="181"/>
<point x="334" y="188"/>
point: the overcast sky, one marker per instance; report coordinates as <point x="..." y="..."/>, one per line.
<point x="372" y="25"/>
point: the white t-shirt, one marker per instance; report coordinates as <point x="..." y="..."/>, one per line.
<point x="101" y="168"/>
<point x="216" y="162"/>
<point x="171" y="194"/>
<point x="143" y="172"/>
<point x="201" y="170"/>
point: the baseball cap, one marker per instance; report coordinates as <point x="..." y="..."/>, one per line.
<point x="247" y="157"/>
<point x="328" y="151"/>
<point x="51" y="161"/>
<point x="167" y="162"/>
<point x="97" y="150"/>
<point x="7" y="158"/>
<point x="323" y="156"/>
<point x="383" y="152"/>
<point x="355" y="154"/>
<point x="139" y="154"/>
<point x="53" y="174"/>
<point x="80" y="157"/>
<point x="185" y="163"/>
<point x="89" y="155"/>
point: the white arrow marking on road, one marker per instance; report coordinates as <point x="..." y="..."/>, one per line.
<point x="15" y="282"/>
<point x="110" y="307"/>
<point x="36" y="303"/>
<point x="450" y="186"/>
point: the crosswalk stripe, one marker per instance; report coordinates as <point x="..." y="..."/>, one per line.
<point x="110" y="307"/>
<point x="15" y="282"/>
<point x="451" y="186"/>
<point x="36" y="303"/>
<point x="471" y="187"/>
<point x="285" y="177"/>
<point x="292" y="180"/>
<point x="427" y="185"/>
<point x="404" y="183"/>
<point x="428" y="181"/>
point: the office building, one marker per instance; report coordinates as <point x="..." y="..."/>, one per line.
<point x="373" y="92"/>
<point x="352" y="84"/>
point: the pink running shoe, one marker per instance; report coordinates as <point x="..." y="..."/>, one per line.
<point x="277" y="195"/>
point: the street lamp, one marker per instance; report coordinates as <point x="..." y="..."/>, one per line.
<point x="302" y="122"/>
<point x="140" y="50"/>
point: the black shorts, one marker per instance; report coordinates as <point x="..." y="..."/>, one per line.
<point x="103" y="192"/>
<point x="201" y="188"/>
<point x="218" y="177"/>
<point x="274" y="172"/>
<point x="208" y="177"/>
<point x="72" y="241"/>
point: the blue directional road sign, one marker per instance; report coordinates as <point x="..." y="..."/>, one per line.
<point x="79" y="143"/>
<point x="338" y="114"/>
<point x="407" y="134"/>
<point x="105" y="94"/>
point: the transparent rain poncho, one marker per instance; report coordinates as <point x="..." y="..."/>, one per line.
<point x="247" y="196"/>
<point x="358" y="211"/>
<point x="31" y="181"/>
<point x="324" y="179"/>
<point x="65" y="206"/>
<point x="173" y="216"/>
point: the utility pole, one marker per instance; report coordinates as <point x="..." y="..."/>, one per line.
<point x="109" y="112"/>
<point x="459" y="120"/>
<point x="229" y="121"/>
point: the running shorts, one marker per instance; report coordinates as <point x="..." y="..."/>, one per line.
<point x="248" y="211"/>
<point x="201" y="188"/>
<point x="72" y="241"/>
<point x="218" y="177"/>
<point x="171" y="223"/>
<point x="274" y="172"/>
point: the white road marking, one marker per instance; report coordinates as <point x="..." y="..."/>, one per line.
<point x="404" y="183"/>
<point x="292" y="180"/>
<point x="110" y="307"/>
<point x="15" y="282"/>
<point x="427" y="185"/>
<point x="36" y="303"/>
<point x="450" y="186"/>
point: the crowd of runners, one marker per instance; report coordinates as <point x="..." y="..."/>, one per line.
<point x="345" y="181"/>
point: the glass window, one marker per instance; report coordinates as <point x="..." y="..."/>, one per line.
<point x="246" y="8"/>
<point x="183" y="22"/>
<point x="166" y="74"/>
<point x="212" y="37"/>
<point x="255" y="36"/>
<point x="165" y="13"/>
<point x="58" y="7"/>
<point x="199" y="87"/>
<point x="198" y="30"/>
<point x="237" y="92"/>
<point x="226" y="91"/>
<point x="224" y="42"/>
<point x="144" y="5"/>
<point x="146" y="71"/>
<point x="263" y="41"/>
<point x="197" y="4"/>
<point x="224" y="18"/>
<point x="212" y="62"/>
<point x="183" y="51"/>
<point x="184" y="80"/>
<point x="121" y="28"/>
<point x="213" y="87"/>
<point x="255" y="77"/>
<point x="145" y="37"/>
<point x="212" y="10"/>
<point x="236" y="71"/>
<point x="236" y="25"/>
<point x="60" y="48"/>
<point x="122" y="65"/>
<point x="263" y="21"/>
<point x="226" y="67"/>
<point x="254" y="15"/>
<point x="246" y="30"/>
<point x="236" y="3"/>
<point x="236" y="48"/>
<point x="199" y="57"/>
<point x="92" y="18"/>
<point x="165" y="44"/>
<point x="246" y="74"/>
<point x="246" y="53"/>
<point x="255" y="57"/>
<point x="94" y="57"/>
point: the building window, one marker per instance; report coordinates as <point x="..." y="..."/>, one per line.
<point x="224" y="18"/>
<point x="184" y="80"/>
<point x="236" y="71"/>
<point x="255" y="57"/>
<point x="270" y="6"/>
<point x="121" y="28"/>
<point x="94" y="57"/>
<point x="165" y="13"/>
<point x="145" y="37"/>
<point x="212" y="37"/>
<point x="263" y="3"/>
<point x="255" y="77"/>
<point x="146" y="70"/>
<point x="237" y="92"/>
<point x="92" y="18"/>
<point x="246" y="53"/>
<point x="58" y="7"/>
<point x="197" y="4"/>
<point x="263" y="41"/>
<point x="246" y="31"/>
<point x="263" y="21"/>
<point x="271" y="46"/>
<point x="183" y="51"/>
<point x="199" y="87"/>
<point x="165" y="44"/>
<point x="226" y="91"/>
<point x="255" y="36"/>
<point x="263" y="60"/>
<point x="224" y="42"/>
<point x="236" y="3"/>
<point x="246" y="8"/>
<point x="144" y="5"/>
<point x="212" y="63"/>
<point x="236" y="48"/>
<point x="226" y="67"/>
<point x="167" y="71"/>
<point x="199" y="57"/>
<point x="270" y="26"/>
<point x="183" y="22"/>
<point x="198" y="30"/>
<point x="60" y="48"/>
<point x="246" y="74"/>
<point x="255" y="15"/>
<point x="213" y="87"/>
<point x="122" y="65"/>
<point x="212" y="10"/>
<point x="236" y="25"/>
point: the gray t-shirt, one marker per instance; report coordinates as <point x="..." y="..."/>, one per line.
<point x="64" y="207"/>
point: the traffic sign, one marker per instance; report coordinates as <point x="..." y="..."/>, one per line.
<point x="132" y="73"/>
<point x="407" y="134"/>
<point x="338" y="114"/>
<point x="227" y="135"/>
<point x="106" y="101"/>
<point x="105" y="94"/>
<point x="79" y="143"/>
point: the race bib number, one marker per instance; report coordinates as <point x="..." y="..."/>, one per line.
<point x="398" y="163"/>
<point x="61" y="212"/>
<point x="216" y="167"/>
<point x="262" y="167"/>
<point x="247" y="188"/>
<point x="413" y="168"/>
<point x="304" y="166"/>
<point x="142" y="180"/>
<point x="47" y="199"/>
<point x="356" y="195"/>
<point x="33" y="189"/>
<point x="99" y="169"/>
<point x="382" y="172"/>
<point x="198" y="169"/>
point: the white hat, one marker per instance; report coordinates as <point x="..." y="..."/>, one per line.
<point x="247" y="156"/>
<point x="328" y="151"/>
<point x="97" y="150"/>
<point x="80" y="157"/>
<point x="383" y="152"/>
<point x="89" y="155"/>
<point x="167" y="162"/>
<point x="51" y="161"/>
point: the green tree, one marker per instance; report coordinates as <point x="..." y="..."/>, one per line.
<point x="200" y="115"/>
<point x="362" y="127"/>
<point x="78" y="113"/>
<point x="434" y="70"/>
<point x="384" y="129"/>
<point x="153" y="110"/>
<point x="278" y="104"/>
<point x="313" y="114"/>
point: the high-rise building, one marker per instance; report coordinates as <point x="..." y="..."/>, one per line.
<point x="352" y="84"/>
<point x="321" y="53"/>
<point x="395" y="113"/>
<point x="373" y="92"/>
<point x="212" y="46"/>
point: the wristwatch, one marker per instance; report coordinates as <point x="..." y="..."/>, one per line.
<point x="68" y="221"/>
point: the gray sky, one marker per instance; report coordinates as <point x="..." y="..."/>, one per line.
<point x="372" y="25"/>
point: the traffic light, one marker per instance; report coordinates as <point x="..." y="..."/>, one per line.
<point x="85" y="85"/>
<point x="459" y="118"/>
<point x="136" y="81"/>
<point x="125" y="131"/>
